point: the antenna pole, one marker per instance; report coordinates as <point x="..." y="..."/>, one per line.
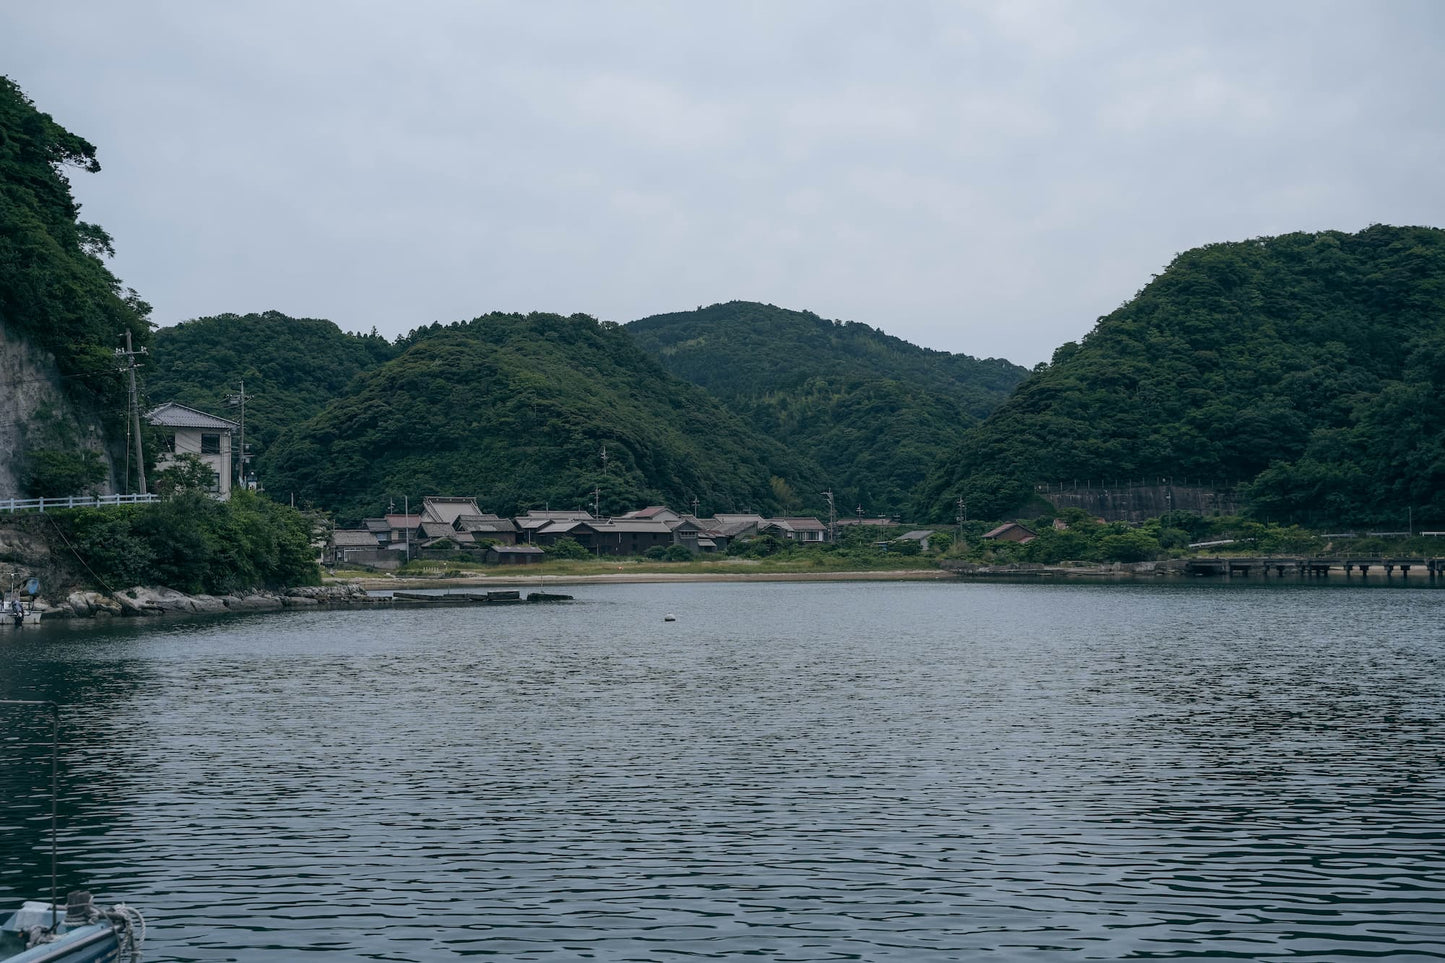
<point x="130" y="355"/>
<point x="241" y="400"/>
<point x="54" y="798"/>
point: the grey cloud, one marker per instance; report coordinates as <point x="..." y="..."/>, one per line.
<point x="979" y="177"/>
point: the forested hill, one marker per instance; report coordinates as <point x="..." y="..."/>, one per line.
<point x="873" y="410"/>
<point x="62" y="314"/>
<point x="54" y="286"/>
<point x="1307" y="367"/>
<point x="291" y="367"/>
<point x="517" y="409"/>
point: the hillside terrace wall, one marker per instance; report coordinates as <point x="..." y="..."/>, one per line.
<point x="1137" y="503"/>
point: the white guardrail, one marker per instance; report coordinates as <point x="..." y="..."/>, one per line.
<point x="73" y="501"/>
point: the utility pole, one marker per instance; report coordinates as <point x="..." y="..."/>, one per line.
<point x="130" y="355"/>
<point x="962" y="517"/>
<point x="832" y="517"/>
<point x="694" y="506"/>
<point x="596" y="497"/>
<point x="239" y="400"/>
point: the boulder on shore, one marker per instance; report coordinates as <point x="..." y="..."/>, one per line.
<point x="148" y="600"/>
<point x="252" y="603"/>
<point x="142" y="600"/>
<point x="91" y="604"/>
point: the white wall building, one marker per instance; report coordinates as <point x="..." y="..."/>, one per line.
<point x="187" y="431"/>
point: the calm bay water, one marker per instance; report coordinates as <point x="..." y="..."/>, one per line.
<point x="872" y="771"/>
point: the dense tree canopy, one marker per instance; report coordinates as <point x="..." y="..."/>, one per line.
<point x="517" y="410"/>
<point x="192" y="543"/>
<point x="1300" y="365"/>
<point x="875" y="411"/>
<point x="291" y="367"/>
<point x="54" y="287"/>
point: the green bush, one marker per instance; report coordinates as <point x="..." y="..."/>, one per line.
<point x="55" y="473"/>
<point x="1131" y="546"/>
<point x="193" y="543"/>
<point x="657" y="553"/>
<point x="567" y="548"/>
<point x="677" y="553"/>
<point x="186" y="474"/>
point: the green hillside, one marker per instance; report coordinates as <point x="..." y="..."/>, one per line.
<point x="291" y="367"/>
<point x="875" y="411"/>
<point x="1302" y="367"/>
<point x="517" y="410"/>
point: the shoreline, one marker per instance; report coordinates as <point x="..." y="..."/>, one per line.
<point x="369" y="592"/>
<point x="473" y="581"/>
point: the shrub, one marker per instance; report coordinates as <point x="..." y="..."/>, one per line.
<point x="1132" y="546"/>
<point x="193" y="543"/>
<point x="50" y="472"/>
<point x="568" y="548"/>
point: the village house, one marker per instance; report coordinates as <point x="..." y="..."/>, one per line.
<point x="1011" y="532"/>
<point x="347" y="545"/>
<point x="483" y="527"/>
<point x="447" y="509"/>
<point x="730" y="526"/>
<point x="795" y="529"/>
<point x="448" y="526"/>
<point x="629" y="536"/>
<point x="441" y="538"/>
<point x="921" y="536"/>
<point x="187" y="431"/>
<point x="514" y="555"/>
<point x="403" y="530"/>
<point x="691" y="534"/>
<point x="655" y="513"/>
<point x="379" y="529"/>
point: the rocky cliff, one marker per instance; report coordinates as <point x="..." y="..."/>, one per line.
<point x="38" y="414"/>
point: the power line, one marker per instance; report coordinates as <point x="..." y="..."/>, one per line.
<point x="130" y="355"/>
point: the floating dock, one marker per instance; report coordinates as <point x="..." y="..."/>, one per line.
<point x="475" y="598"/>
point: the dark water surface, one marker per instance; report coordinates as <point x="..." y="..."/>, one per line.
<point x="877" y="771"/>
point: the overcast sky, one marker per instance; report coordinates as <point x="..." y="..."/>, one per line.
<point x="980" y="177"/>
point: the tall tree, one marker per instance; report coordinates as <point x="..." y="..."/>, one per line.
<point x="54" y="286"/>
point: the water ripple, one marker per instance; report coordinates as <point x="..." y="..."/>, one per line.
<point x="797" y="772"/>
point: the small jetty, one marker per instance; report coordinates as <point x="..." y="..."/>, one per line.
<point x="1304" y="567"/>
<point x="476" y="598"/>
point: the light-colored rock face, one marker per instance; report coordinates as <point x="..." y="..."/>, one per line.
<point x="29" y="382"/>
<point x="22" y="545"/>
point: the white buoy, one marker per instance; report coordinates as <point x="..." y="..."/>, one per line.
<point x="669" y="617"/>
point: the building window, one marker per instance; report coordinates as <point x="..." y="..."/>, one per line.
<point x="210" y="444"/>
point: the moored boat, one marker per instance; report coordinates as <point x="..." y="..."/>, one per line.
<point x="79" y="931"/>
